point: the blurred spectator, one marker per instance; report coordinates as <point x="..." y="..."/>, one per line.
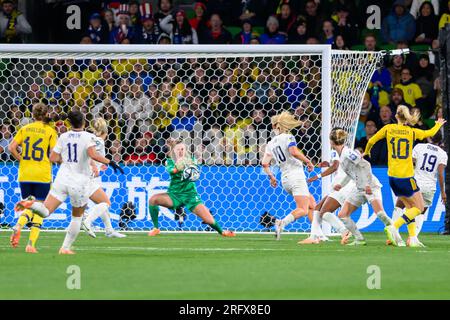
<point x="445" y="18"/>
<point x="142" y="153"/>
<point x="50" y="90"/>
<point x="184" y="120"/>
<point x="179" y="29"/>
<point x="98" y="32"/>
<point x="13" y="24"/>
<point x="370" y="43"/>
<point x="5" y="139"/>
<point x="426" y="25"/>
<point x="368" y="112"/>
<point x="66" y="102"/>
<point x="286" y="19"/>
<point x="385" y="117"/>
<point x="135" y="17"/>
<point x="86" y="40"/>
<point x="217" y="34"/>
<point x="104" y="106"/>
<point x="328" y="36"/>
<point x="141" y="77"/>
<point x="247" y="10"/>
<point x="272" y="34"/>
<point x="164" y="38"/>
<point x="397" y="99"/>
<point x="340" y="43"/>
<point x="246" y="34"/>
<point x="314" y="19"/>
<point x="165" y="8"/>
<point x="108" y="16"/>
<point x="380" y="86"/>
<point x="420" y="124"/>
<point x="425" y="74"/>
<point x="199" y="22"/>
<point x="345" y="27"/>
<point x="136" y="106"/>
<point x="378" y="155"/>
<point x="396" y="69"/>
<point x="224" y="8"/>
<point x="124" y="31"/>
<point x="148" y="32"/>
<point x="299" y="35"/>
<point x="416" y="7"/>
<point x="260" y="122"/>
<point x="294" y="88"/>
<point x="116" y="151"/>
<point x="411" y="90"/>
<point x="92" y="73"/>
<point x="399" y="25"/>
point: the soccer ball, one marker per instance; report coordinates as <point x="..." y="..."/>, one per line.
<point x="191" y="173"/>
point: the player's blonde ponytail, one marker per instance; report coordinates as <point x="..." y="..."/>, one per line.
<point x="338" y="136"/>
<point x="100" y="127"/>
<point x="405" y="117"/>
<point x="285" y="122"/>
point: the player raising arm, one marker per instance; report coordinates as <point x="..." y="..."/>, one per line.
<point x="430" y="162"/>
<point x="74" y="150"/>
<point x="400" y="138"/>
<point x="181" y="192"/>
<point x="35" y="170"/>
<point x="283" y="149"/>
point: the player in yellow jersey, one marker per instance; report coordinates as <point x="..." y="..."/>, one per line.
<point x="400" y="139"/>
<point x="35" y="140"/>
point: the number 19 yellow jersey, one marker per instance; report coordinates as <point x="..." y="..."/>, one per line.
<point x="36" y="140"/>
<point x="400" y="140"/>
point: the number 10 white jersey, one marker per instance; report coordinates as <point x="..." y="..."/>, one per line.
<point x="428" y="158"/>
<point x="73" y="146"/>
<point x="278" y="148"/>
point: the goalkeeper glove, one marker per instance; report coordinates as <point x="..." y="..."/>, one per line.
<point x="116" y="167"/>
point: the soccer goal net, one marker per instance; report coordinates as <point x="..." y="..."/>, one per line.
<point x="218" y="99"/>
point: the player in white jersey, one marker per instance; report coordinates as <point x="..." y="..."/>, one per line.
<point x="430" y="162"/>
<point x="366" y="187"/>
<point x="74" y="150"/>
<point x="283" y="150"/>
<point x="96" y="193"/>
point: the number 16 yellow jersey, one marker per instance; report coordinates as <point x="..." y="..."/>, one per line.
<point x="400" y="140"/>
<point x="36" y="140"/>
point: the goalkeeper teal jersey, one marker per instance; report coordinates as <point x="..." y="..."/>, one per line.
<point x="177" y="183"/>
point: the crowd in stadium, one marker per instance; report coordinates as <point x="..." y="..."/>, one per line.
<point x="144" y="101"/>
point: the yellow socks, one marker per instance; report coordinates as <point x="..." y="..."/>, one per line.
<point x="408" y="218"/>
<point x="35" y="230"/>
<point x="24" y="218"/>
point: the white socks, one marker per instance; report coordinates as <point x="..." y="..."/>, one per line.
<point x="397" y="213"/>
<point x="100" y="210"/>
<point x="72" y="232"/>
<point x="384" y="218"/>
<point x="351" y="226"/>
<point x="287" y="220"/>
<point x="334" y="222"/>
<point x="316" y="229"/>
<point x="40" y="209"/>
<point x="419" y="222"/>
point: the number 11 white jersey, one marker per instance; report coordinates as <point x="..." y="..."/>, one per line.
<point x="73" y="146"/>
<point x="278" y="148"/>
<point x="428" y="158"/>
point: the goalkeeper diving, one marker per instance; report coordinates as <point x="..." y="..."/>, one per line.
<point x="182" y="191"/>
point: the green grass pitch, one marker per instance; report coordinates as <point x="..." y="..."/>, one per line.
<point x="206" y="266"/>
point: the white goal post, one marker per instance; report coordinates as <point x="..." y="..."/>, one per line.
<point x="218" y="98"/>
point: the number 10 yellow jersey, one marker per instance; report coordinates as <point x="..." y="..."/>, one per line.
<point x="36" y="140"/>
<point x="400" y="140"/>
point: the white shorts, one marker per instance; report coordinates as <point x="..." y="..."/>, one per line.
<point x="295" y="187"/>
<point x="428" y="197"/>
<point x="357" y="198"/>
<point x="341" y="195"/>
<point x="94" y="185"/>
<point x="75" y="188"/>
